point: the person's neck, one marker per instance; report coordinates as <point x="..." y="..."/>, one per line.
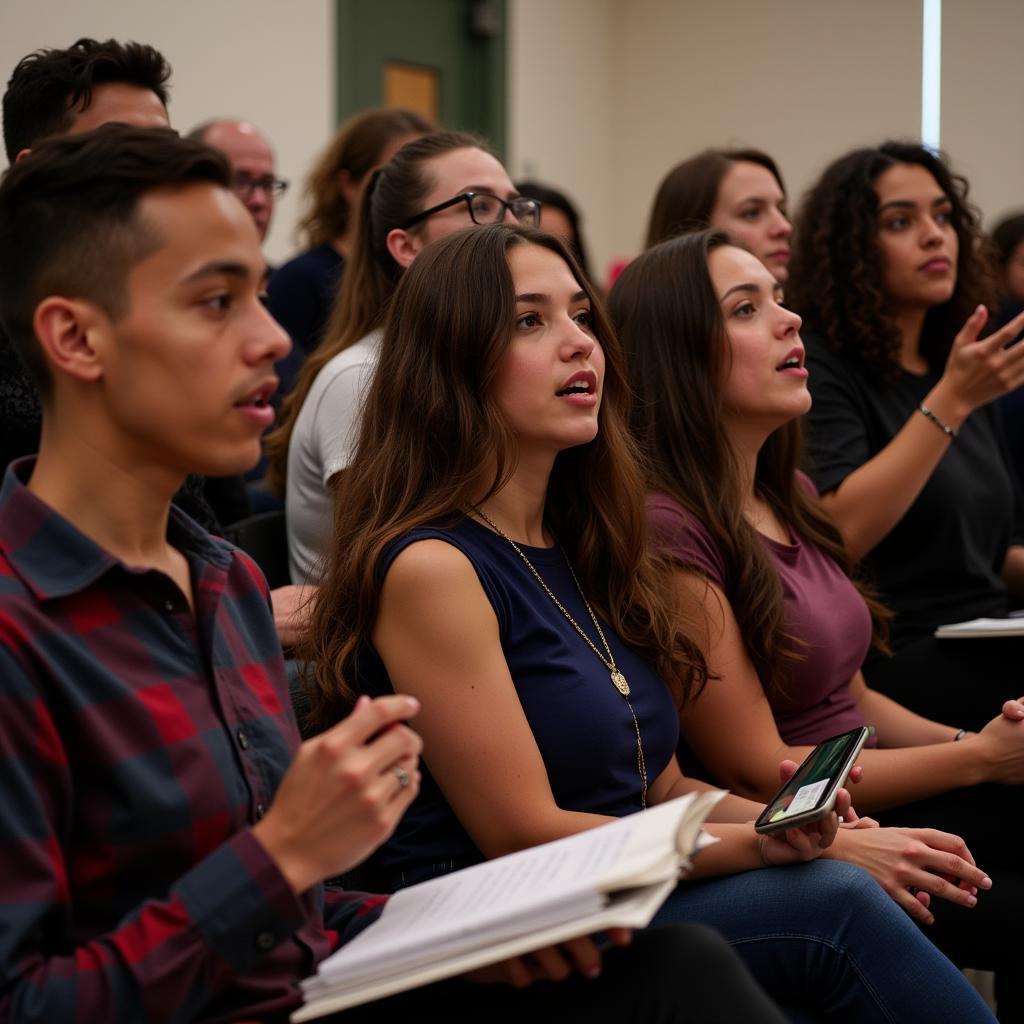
<point x="518" y="508"/>
<point x="120" y="503"/>
<point x="746" y="466"/>
<point x="910" y="323"/>
<point x="746" y="444"/>
<point x="343" y="243"/>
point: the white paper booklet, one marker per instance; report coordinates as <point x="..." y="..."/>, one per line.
<point x="981" y="627"/>
<point x="616" y="875"/>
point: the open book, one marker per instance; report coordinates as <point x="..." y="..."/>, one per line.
<point x="618" y="874"/>
<point x="1012" y="626"/>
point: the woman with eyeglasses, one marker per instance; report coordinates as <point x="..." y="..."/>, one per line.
<point x="489" y="557"/>
<point x="434" y="186"/>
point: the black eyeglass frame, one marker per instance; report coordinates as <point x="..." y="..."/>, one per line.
<point x="246" y="186"/>
<point x="467" y="198"/>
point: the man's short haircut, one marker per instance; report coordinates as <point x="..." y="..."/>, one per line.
<point x="69" y="223"/>
<point x="48" y="86"/>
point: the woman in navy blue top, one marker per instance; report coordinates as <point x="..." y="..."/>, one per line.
<point x="489" y="556"/>
<point x="591" y="767"/>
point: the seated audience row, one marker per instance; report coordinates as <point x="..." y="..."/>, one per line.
<point x="162" y="860"/>
<point x="887" y="850"/>
<point x="488" y="557"/>
<point x="889" y="273"/>
<point x="460" y="454"/>
<point x="716" y="363"/>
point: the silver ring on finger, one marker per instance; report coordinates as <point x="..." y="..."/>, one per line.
<point x="402" y="775"/>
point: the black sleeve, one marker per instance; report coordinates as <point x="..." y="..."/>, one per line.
<point x="836" y="426"/>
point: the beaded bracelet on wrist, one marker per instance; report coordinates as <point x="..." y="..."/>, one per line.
<point x="944" y="427"/>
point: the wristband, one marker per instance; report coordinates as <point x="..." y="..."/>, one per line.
<point x="944" y="427"/>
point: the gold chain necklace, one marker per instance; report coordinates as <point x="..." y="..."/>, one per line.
<point x="618" y="679"/>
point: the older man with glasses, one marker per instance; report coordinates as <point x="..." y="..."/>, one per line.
<point x="252" y="166"/>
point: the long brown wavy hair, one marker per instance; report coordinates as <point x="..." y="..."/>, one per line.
<point x="356" y="149"/>
<point x="667" y="313"/>
<point x="687" y="195"/>
<point x="836" y="274"/>
<point x="393" y="195"/>
<point x="430" y="415"/>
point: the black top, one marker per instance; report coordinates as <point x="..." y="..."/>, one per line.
<point x="583" y="727"/>
<point x="942" y="561"/>
<point x="301" y="296"/>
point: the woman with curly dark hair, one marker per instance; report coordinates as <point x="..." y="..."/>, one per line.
<point x="890" y="276"/>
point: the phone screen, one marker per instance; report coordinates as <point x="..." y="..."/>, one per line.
<point x="823" y="771"/>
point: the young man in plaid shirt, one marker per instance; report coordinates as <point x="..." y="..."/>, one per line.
<point x="164" y="834"/>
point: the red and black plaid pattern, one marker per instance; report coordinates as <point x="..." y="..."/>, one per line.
<point x="138" y="744"/>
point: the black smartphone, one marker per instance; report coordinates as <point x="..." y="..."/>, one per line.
<point x="811" y="793"/>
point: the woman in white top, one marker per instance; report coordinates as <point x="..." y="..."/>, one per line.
<point x="433" y="186"/>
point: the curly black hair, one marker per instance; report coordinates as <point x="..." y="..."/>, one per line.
<point x="836" y="275"/>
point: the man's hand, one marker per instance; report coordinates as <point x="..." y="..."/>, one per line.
<point x="344" y="793"/>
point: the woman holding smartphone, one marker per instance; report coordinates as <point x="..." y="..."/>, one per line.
<point x="716" y="361"/>
<point x="489" y="557"/>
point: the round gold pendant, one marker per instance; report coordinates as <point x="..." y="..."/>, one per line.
<point x="620" y="683"/>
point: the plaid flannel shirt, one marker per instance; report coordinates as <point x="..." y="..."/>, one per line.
<point x="138" y="744"/>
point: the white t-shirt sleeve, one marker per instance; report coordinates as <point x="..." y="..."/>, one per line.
<point x="336" y="424"/>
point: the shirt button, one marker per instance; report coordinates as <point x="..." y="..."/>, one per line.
<point x="260" y="810"/>
<point x="168" y="605"/>
<point x="243" y="740"/>
<point x="265" y="942"/>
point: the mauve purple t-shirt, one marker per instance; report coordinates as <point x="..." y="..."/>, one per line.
<point x="823" y="609"/>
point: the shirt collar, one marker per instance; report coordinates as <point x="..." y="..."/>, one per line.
<point x="54" y="558"/>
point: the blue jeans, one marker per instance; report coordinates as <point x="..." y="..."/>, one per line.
<point x="823" y="937"/>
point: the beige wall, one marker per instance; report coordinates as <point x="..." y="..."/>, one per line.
<point x="983" y="100"/>
<point x="610" y="94"/>
<point x="559" y="94"/>
<point x="252" y="58"/>
<point x="803" y="80"/>
<point x="606" y="95"/>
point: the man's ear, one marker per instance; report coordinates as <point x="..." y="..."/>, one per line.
<point x="70" y="332"/>
<point x="403" y="246"/>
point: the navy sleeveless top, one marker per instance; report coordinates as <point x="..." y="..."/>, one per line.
<point x="583" y="728"/>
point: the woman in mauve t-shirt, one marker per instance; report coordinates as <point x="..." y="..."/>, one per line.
<point x="717" y="364"/>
